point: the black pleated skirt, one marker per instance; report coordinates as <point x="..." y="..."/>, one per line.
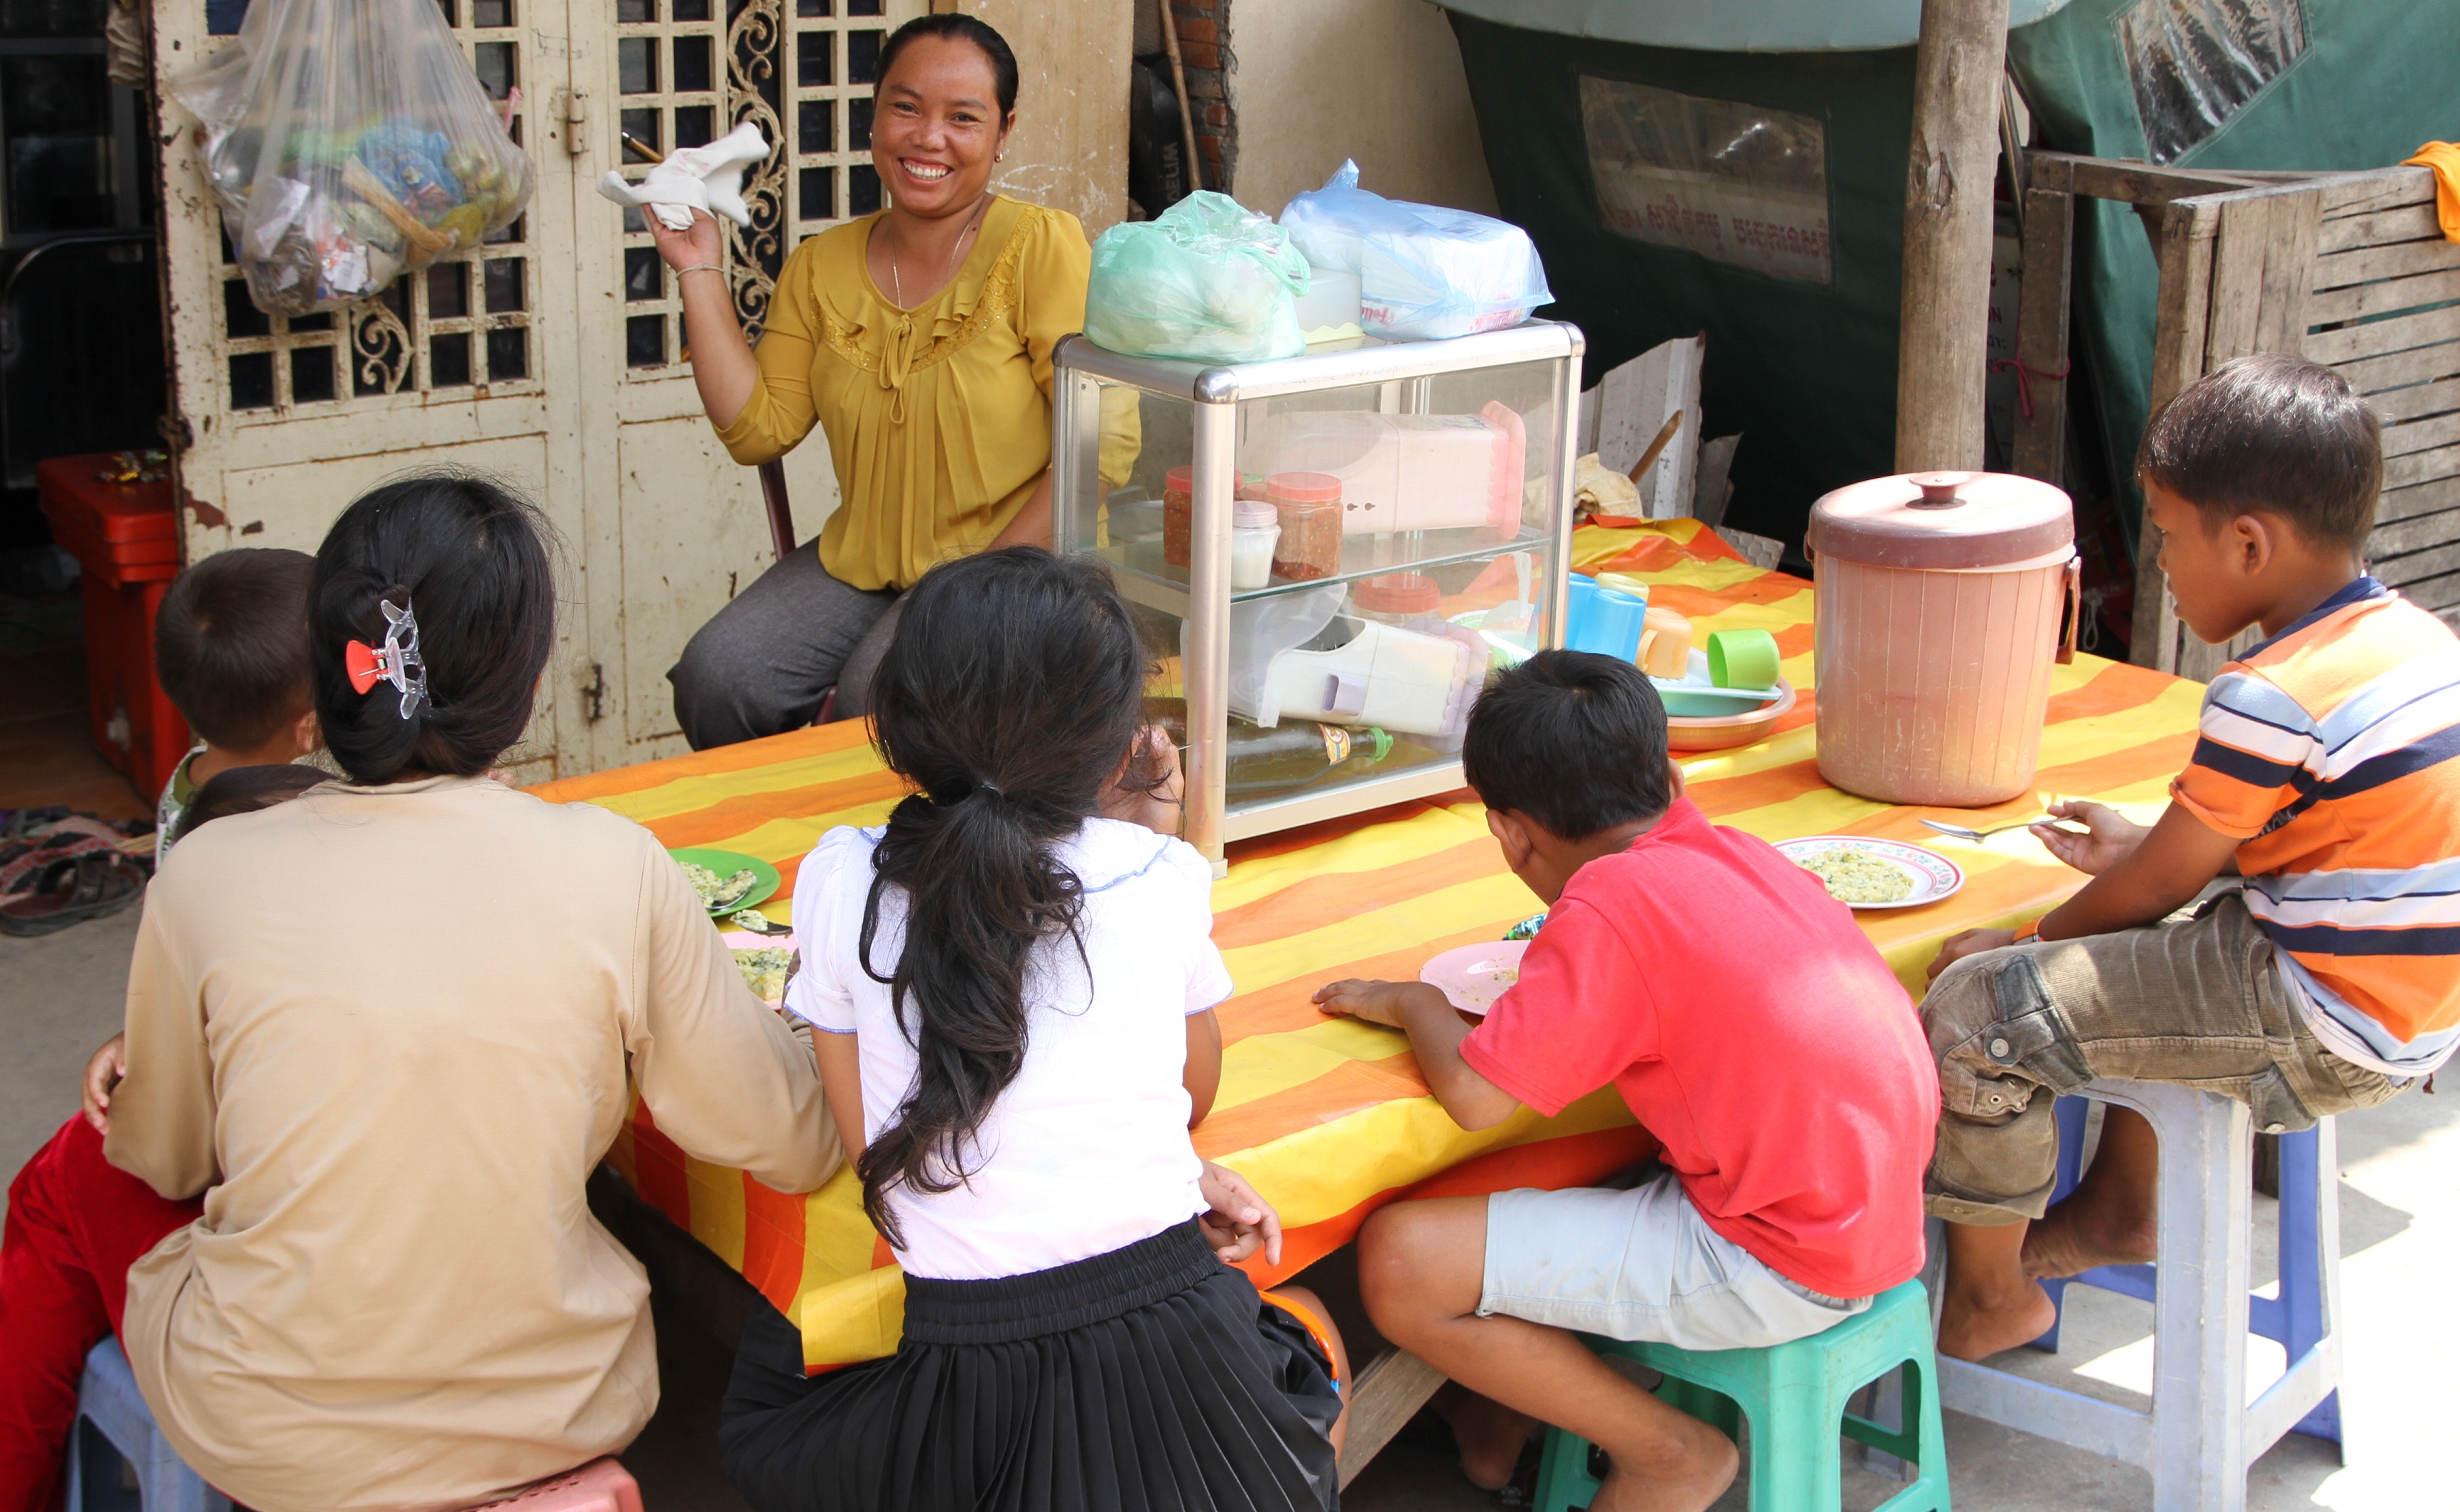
<point x="1151" y="1378"/>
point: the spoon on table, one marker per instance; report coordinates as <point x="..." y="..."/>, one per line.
<point x="1962" y="832"/>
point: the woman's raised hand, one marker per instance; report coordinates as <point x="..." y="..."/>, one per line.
<point x="703" y="244"/>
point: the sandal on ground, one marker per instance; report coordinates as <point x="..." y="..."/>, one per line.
<point x="72" y="890"/>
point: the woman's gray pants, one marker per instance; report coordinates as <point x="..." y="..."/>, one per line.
<point x="762" y="663"/>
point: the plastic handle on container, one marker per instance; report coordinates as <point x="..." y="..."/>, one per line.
<point x="2075" y="610"/>
<point x="1937" y="488"/>
<point x="1343" y="694"/>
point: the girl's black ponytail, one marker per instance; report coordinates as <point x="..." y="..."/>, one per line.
<point x="468" y="557"/>
<point x="1010" y="696"/>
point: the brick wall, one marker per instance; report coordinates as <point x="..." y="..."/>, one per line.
<point x="1205" y="50"/>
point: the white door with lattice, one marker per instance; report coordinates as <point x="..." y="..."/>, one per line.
<point x="551" y="356"/>
<point x="680" y="73"/>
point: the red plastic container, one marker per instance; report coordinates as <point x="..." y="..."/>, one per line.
<point x="125" y="537"/>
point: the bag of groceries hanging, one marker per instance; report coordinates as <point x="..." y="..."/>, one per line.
<point x="349" y="143"/>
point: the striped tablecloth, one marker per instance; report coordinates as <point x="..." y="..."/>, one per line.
<point x="1330" y="1117"/>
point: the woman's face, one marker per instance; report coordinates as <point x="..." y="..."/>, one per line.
<point x="937" y="128"/>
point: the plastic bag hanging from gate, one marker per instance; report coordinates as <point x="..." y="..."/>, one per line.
<point x="349" y="143"/>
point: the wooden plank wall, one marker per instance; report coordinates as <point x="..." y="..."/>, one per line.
<point x="2351" y="269"/>
<point x="2385" y="314"/>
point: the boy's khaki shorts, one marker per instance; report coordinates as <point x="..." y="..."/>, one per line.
<point x="1641" y="1264"/>
<point x="2195" y="1000"/>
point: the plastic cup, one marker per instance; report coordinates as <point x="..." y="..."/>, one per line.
<point x="1611" y="626"/>
<point x="1579" y="590"/>
<point x="1743" y="658"/>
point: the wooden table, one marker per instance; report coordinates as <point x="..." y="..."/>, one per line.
<point x="1330" y="1117"/>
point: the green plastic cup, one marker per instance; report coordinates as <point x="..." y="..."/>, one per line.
<point x="1743" y="658"/>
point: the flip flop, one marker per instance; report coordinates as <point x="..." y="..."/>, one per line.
<point x="72" y="890"/>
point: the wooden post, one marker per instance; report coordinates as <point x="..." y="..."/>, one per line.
<point x="1186" y="106"/>
<point x="2040" y="449"/>
<point x="1949" y="180"/>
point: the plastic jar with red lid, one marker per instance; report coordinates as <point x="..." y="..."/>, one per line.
<point x="1309" y="504"/>
<point x="1395" y="599"/>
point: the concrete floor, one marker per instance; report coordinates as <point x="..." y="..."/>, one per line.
<point x="2399" y="1219"/>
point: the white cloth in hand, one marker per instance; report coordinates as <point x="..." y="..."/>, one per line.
<point x="706" y="177"/>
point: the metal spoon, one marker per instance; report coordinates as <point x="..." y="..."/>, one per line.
<point x="1962" y="832"/>
<point x="758" y="923"/>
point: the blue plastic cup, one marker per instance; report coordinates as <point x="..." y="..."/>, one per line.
<point x="1612" y="625"/>
<point x="1579" y="590"/>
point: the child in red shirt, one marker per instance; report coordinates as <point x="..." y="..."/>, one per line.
<point x="1749" y="1026"/>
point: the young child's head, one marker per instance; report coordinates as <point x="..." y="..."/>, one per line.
<point x="230" y="647"/>
<point x="1567" y="751"/>
<point x="466" y="559"/>
<point x="244" y="789"/>
<point x="2261" y="477"/>
<point x="1011" y="697"/>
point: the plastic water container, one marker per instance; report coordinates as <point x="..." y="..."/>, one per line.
<point x="1937" y="604"/>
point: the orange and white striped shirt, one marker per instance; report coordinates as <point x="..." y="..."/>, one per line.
<point x="2332" y="751"/>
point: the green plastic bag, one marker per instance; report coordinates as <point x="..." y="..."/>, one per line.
<point x="1211" y="279"/>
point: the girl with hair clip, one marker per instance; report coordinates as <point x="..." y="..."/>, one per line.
<point x="1014" y="982"/>
<point x="378" y="1037"/>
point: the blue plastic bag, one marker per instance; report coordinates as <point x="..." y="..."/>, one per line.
<point x="1424" y="272"/>
<point x="1209" y="280"/>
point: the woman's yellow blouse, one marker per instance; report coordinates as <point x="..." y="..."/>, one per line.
<point x="938" y="417"/>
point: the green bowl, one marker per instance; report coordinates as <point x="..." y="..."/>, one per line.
<point x="727" y="862"/>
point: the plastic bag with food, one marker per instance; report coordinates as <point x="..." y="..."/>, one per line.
<point x="1424" y="272"/>
<point x="349" y="143"/>
<point x="1209" y="280"/>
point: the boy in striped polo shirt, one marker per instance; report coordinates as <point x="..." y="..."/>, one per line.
<point x="2322" y="973"/>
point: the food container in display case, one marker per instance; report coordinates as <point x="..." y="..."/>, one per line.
<point x="1936" y="603"/>
<point x="1421" y="509"/>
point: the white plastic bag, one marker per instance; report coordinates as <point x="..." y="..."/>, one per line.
<point x="1424" y="272"/>
<point x="1209" y="280"/>
<point x="349" y="143"/>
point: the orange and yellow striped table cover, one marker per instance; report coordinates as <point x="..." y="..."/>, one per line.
<point x="1330" y="1117"/>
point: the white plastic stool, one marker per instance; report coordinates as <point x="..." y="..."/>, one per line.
<point x="2201" y="1434"/>
<point x="107" y="1397"/>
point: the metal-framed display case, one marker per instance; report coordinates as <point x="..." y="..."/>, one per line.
<point x="1415" y="501"/>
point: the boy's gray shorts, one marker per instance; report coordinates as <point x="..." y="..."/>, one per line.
<point x="1640" y="1265"/>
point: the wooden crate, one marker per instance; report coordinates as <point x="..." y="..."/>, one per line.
<point x="2350" y="269"/>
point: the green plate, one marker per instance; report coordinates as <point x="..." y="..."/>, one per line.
<point x="727" y="862"/>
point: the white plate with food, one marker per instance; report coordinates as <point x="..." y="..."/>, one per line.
<point x="1862" y="872"/>
<point x="1473" y="976"/>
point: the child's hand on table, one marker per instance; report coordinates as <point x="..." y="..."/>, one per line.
<point x="2112" y="838"/>
<point x="1239" y="1222"/>
<point x="102" y="1073"/>
<point x="1379" y="1002"/>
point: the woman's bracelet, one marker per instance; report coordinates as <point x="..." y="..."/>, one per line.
<point x="701" y="267"/>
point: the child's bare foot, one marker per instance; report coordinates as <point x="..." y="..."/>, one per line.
<point x="1689" y="1479"/>
<point x="1974" y="1327"/>
<point x="1491" y="1434"/>
<point x="2078" y="1234"/>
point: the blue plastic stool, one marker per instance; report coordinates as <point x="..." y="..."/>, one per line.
<point x="1794" y="1397"/>
<point x="2295" y="1319"/>
<point x="108" y="1399"/>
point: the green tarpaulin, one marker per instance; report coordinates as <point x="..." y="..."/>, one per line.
<point x="1655" y="144"/>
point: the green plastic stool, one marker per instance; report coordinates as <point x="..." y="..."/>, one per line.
<point x="1794" y="1395"/>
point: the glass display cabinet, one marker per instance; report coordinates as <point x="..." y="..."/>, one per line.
<point x="1329" y="554"/>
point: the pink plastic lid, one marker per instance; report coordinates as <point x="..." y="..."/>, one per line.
<point x="1398" y="592"/>
<point x="1253" y="514"/>
<point x="1941" y="520"/>
<point x="1305" y="488"/>
<point x="1179" y="480"/>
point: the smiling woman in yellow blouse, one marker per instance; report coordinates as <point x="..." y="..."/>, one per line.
<point x="919" y="339"/>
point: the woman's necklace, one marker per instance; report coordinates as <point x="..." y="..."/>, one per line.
<point x="897" y="279"/>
